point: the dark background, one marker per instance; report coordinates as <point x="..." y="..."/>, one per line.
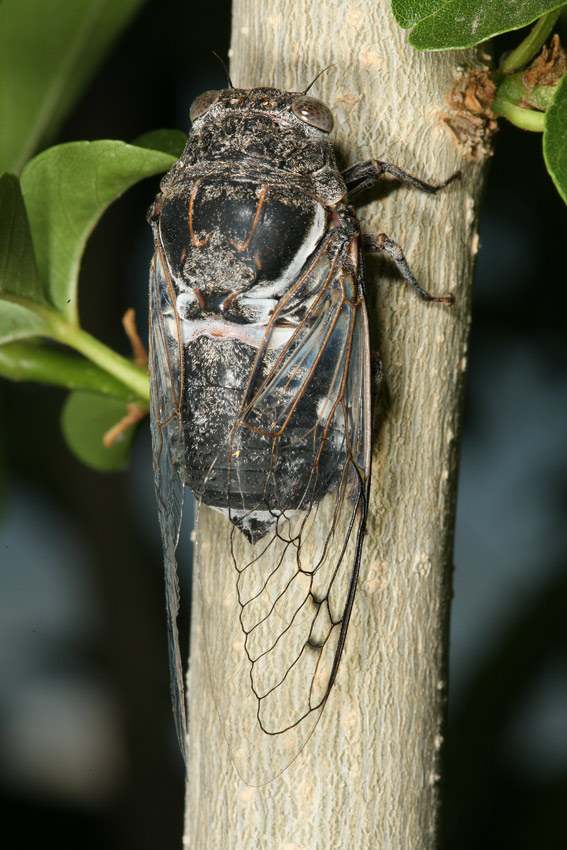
<point x="88" y="755"/>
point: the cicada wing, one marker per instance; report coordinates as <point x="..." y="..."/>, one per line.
<point x="284" y="622"/>
<point x="165" y="390"/>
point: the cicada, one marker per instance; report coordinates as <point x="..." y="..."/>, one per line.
<point x="261" y="379"/>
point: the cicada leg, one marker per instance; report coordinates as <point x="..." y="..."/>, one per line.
<point x="380" y="242"/>
<point x="363" y="175"/>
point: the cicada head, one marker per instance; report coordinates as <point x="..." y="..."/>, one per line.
<point x="289" y="109"/>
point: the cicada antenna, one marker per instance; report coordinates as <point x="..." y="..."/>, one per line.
<point x="230" y="85"/>
<point x="312" y="83"/>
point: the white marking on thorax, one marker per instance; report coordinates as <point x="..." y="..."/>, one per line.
<point x="290" y="273"/>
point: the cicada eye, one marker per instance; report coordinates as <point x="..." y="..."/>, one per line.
<point x="313" y="112"/>
<point x="202" y="103"/>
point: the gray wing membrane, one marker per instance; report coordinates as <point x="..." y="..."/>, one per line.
<point x="277" y="646"/>
<point x="165" y="388"/>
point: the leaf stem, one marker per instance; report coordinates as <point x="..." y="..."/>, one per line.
<point x="33" y="360"/>
<point x="60" y="329"/>
<point x="528" y="48"/>
<point x="98" y="353"/>
<point x="525" y="119"/>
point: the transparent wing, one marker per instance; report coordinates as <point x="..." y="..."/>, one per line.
<point x="165" y="385"/>
<point x="303" y="436"/>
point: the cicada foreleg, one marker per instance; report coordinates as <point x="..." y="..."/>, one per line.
<point x="380" y="242"/>
<point x="363" y="175"/>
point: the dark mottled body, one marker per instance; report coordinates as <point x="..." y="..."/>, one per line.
<point x="260" y="367"/>
<point x="253" y="205"/>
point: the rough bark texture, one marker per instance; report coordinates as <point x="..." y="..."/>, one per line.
<point x="370" y="775"/>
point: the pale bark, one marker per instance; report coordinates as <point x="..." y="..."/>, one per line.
<point x="370" y="775"/>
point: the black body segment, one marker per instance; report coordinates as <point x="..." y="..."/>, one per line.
<point x="261" y="404"/>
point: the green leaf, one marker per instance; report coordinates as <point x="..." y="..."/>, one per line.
<point x="555" y="139"/>
<point x="464" y="23"/>
<point x="168" y="141"/>
<point x="410" y="12"/>
<point x="85" y="419"/>
<point x="18" y="321"/>
<point x="49" y="50"/>
<point x="66" y="190"/>
<point x="36" y="361"/>
<point x="18" y="269"/>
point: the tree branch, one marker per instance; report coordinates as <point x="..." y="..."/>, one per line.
<point x="370" y="775"/>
